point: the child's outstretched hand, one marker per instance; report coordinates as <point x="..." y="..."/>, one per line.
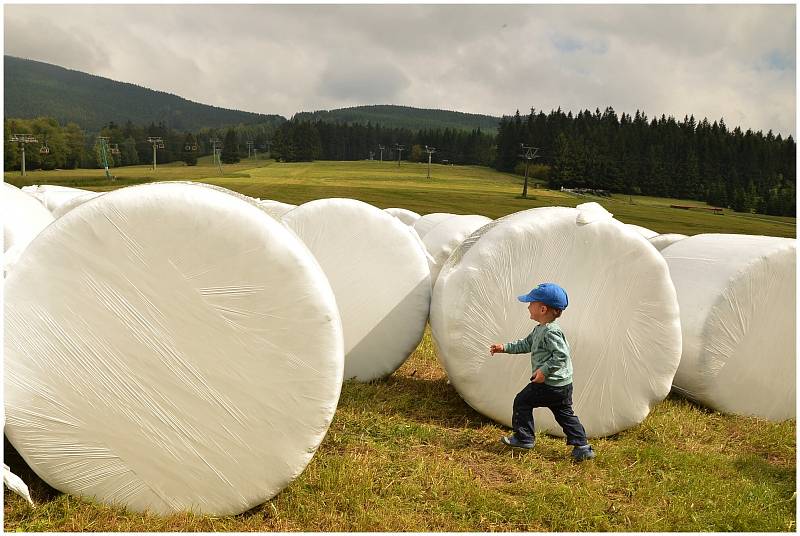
<point x="496" y="349"/>
<point x="538" y="377"/>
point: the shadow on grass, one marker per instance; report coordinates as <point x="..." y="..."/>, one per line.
<point x="425" y="401"/>
<point x="759" y="470"/>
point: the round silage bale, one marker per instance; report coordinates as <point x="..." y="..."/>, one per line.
<point x="404" y="215"/>
<point x="170" y="347"/>
<point x="53" y="196"/>
<point x="443" y="238"/>
<point x="379" y="274"/>
<point x="427" y="222"/>
<point x="276" y="209"/>
<point x="667" y="239"/>
<point x="738" y="315"/>
<point x="622" y="321"/>
<point x="67" y="203"/>
<point x="23" y="218"/>
<point x="644" y="231"/>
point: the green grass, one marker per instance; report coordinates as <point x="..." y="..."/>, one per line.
<point x="456" y="189"/>
<point x="407" y="454"/>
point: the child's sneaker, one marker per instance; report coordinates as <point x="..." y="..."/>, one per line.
<point x="512" y="441"/>
<point x="584" y="452"/>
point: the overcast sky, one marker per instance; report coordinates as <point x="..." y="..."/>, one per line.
<point x="731" y="61"/>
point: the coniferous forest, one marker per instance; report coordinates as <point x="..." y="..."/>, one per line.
<point x="745" y="171"/>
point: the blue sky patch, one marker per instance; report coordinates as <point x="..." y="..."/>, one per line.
<point x="567" y="44"/>
<point x="780" y="60"/>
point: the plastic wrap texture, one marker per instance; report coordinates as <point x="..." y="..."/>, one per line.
<point x="443" y="238"/>
<point x="69" y="202"/>
<point x="738" y="315"/>
<point x="622" y="323"/>
<point x="663" y="240"/>
<point x="276" y="209"/>
<point x="427" y="222"/>
<point x="379" y="275"/>
<point x="24" y="218"/>
<point x="404" y="215"/>
<point x="170" y="347"/>
<point x="16" y="484"/>
<point x="644" y="231"/>
<point x="53" y="196"/>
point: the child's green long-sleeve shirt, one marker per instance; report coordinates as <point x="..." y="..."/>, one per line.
<point x="549" y="353"/>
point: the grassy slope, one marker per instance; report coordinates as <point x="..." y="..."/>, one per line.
<point x="456" y="189"/>
<point x="408" y="454"/>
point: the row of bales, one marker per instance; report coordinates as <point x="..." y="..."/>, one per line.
<point x="178" y="346"/>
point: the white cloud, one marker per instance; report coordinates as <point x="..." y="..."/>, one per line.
<point x="731" y="61"/>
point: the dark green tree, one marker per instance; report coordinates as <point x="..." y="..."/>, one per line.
<point x="230" y="151"/>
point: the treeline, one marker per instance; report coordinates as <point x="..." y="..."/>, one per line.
<point x="303" y="141"/>
<point x="746" y="171"/>
<point x="70" y="147"/>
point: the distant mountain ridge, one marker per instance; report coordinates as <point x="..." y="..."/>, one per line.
<point x="34" y="89"/>
<point x="404" y="117"/>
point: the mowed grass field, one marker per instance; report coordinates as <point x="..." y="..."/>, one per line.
<point x="455" y="189"/>
<point x="407" y="454"/>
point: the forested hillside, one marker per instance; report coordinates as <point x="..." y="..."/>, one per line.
<point x="35" y="89"/>
<point x="661" y="157"/>
<point x="403" y="117"/>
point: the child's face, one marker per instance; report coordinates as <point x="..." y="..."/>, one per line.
<point x="538" y="311"/>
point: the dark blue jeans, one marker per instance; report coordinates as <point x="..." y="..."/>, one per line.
<point x="558" y="400"/>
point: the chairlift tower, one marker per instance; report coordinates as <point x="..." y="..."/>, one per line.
<point x="249" y="147"/>
<point x="216" y="153"/>
<point x="103" y="140"/>
<point x="528" y="153"/>
<point x="22" y="139"/>
<point x="381" y="149"/>
<point x="157" y="143"/>
<point x="400" y="149"/>
<point x="430" y="151"/>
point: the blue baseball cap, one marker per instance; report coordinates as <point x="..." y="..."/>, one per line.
<point x="549" y="294"/>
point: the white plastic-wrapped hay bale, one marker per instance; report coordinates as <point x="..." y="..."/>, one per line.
<point x="409" y="217"/>
<point x="170" y="347"/>
<point x="445" y="237"/>
<point x="67" y="203"/>
<point x="276" y="209"/>
<point x="427" y="222"/>
<point x="644" y="231"/>
<point x="52" y="196"/>
<point x="23" y="219"/>
<point x="379" y="275"/>
<point x="667" y="239"/>
<point x="737" y="303"/>
<point x="622" y="322"/>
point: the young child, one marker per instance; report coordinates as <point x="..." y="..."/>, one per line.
<point x="551" y="383"/>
